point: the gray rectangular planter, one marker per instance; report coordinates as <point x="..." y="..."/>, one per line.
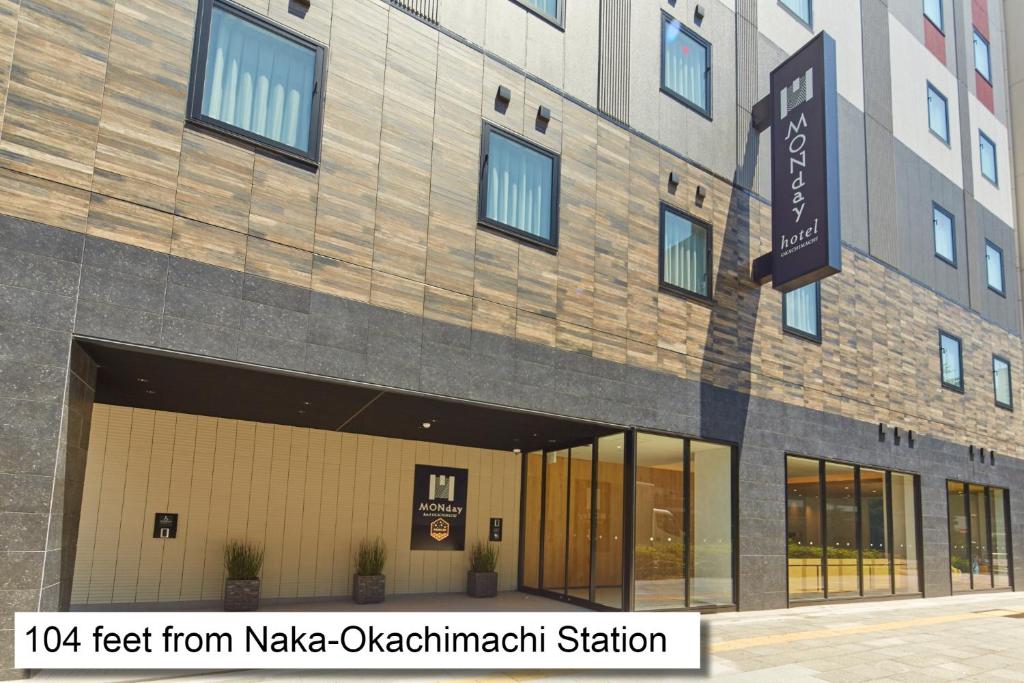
<point x="241" y="595"/>
<point x="367" y="589"/>
<point x="482" y="584"/>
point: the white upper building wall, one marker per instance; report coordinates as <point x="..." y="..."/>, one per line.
<point x="996" y="198"/>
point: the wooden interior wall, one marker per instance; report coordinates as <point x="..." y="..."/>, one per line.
<point x="389" y="217"/>
<point x="308" y="495"/>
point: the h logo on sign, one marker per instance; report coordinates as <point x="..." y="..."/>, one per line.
<point x="442" y="487"/>
<point x="802" y="90"/>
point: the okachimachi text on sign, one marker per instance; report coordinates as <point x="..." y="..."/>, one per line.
<point x="339" y="640"/>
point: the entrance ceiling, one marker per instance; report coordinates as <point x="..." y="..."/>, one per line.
<point x="142" y="379"/>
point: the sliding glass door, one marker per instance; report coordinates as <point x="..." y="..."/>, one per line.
<point x="979" y="543"/>
<point x="851" y="531"/>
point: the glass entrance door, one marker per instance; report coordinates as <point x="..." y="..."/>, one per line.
<point x="979" y="549"/>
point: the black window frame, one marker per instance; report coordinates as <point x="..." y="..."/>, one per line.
<point x="558" y="21"/>
<point x="995" y="158"/>
<point x="550" y="243"/>
<point x="796" y="331"/>
<point x="708" y="73"/>
<point x="809" y="21"/>
<point x="665" y="286"/>
<point x="1002" y="268"/>
<point x="1009" y="381"/>
<point x="959" y="388"/>
<point x="197" y="78"/>
<point x="942" y="17"/>
<point x="952" y="227"/>
<point x="945" y="101"/>
<point x="988" y="51"/>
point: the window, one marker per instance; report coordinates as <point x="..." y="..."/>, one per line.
<point x="979" y="552"/>
<point x="685" y="254"/>
<point x="951" y="359"/>
<point x="801" y="9"/>
<point x="685" y="66"/>
<point x="549" y="10"/>
<point x="850" y="530"/>
<point x="945" y="234"/>
<point x="256" y="80"/>
<point x="982" y="57"/>
<point x="518" y="187"/>
<point x="987" y="152"/>
<point x="994" y="268"/>
<point x="933" y="10"/>
<point x="801" y="310"/>
<point x="938" y="114"/>
<point x="1002" y="383"/>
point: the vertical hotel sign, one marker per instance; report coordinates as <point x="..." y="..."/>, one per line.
<point x="806" y="238"/>
<point x="439" y="508"/>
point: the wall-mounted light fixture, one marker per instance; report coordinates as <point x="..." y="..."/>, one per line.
<point x="673" y="178"/>
<point x="504" y="95"/>
<point x="991" y="458"/>
<point x="698" y="14"/>
<point x="910" y="438"/>
<point x="896" y="435"/>
<point x="543" y="115"/>
<point x="881" y="432"/>
<point x="970" y="452"/>
<point x="702" y="194"/>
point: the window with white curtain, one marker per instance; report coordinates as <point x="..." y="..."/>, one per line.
<point x="933" y="10"/>
<point x="685" y="254"/>
<point x="987" y="153"/>
<point x="945" y="234"/>
<point x="938" y="114"/>
<point x="982" y="57"/>
<point x="549" y="9"/>
<point x="519" y="186"/>
<point x="800" y="8"/>
<point x="1002" y="383"/>
<point x="994" y="268"/>
<point x="685" y="65"/>
<point x="257" y="80"/>
<point x="800" y="311"/>
<point x="951" y="360"/>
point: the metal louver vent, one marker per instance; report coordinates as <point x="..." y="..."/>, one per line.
<point x="425" y="9"/>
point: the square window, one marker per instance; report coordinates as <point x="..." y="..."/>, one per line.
<point x="518" y="187"/>
<point x="256" y="80"/>
<point x="1002" y="383"/>
<point x="549" y="10"/>
<point x="945" y="234"/>
<point x="801" y="9"/>
<point x="951" y="359"/>
<point x="685" y="254"/>
<point x="685" y="66"/>
<point x="994" y="268"/>
<point x="987" y="154"/>
<point x="801" y="311"/>
<point x="938" y="114"/>
<point x="933" y="10"/>
<point x="982" y="57"/>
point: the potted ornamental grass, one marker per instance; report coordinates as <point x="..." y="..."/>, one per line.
<point x="368" y="582"/>
<point x="482" y="578"/>
<point x="242" y="562"/>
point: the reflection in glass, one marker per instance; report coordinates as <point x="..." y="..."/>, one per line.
<point x="981" y="568"/>
<point x="874" y="531"/>
<point x="710" y="523"/>
<point x="840" y="530"/>
<point x="556" y="474"/>
<point x="1000" y="547"/>
<point x="607" y="570"/>
<point x="658" y="560"/>
<point x="959" y="552"/>
<point x="803" y="528"/>
<point x="531" y="528"/>
<point x="580" y="469"/>
<point x="904" y="534"/>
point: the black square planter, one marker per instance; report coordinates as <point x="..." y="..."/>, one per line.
<point x="482" y="584"/>
<point x="367" y="590"/>
<point x="241" y="595"/>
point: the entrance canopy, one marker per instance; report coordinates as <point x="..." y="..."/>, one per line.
<point x="129" y="376"/>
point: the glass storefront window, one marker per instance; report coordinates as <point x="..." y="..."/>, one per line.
<point x="580" y="478"/>
<point x="710" y="524"/>
<point x="556" y="481"/>
<point x="608" y="512"/>
<point x="981" y="559"/>
<point x="959" y="550"/>
<point x="658" y="565"/>
<point x="531" y="520"/>
<point x="979" y="553"/>
<point x="868" y="518"/>
<point x="1000" y="544"/>
<point x="803" y="522"/>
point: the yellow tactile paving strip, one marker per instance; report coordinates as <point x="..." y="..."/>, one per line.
<point x="796" y="636"/>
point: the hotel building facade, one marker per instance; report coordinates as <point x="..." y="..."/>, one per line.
<point x="266" y="262"/>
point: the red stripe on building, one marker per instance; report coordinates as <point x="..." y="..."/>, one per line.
<point x="934" y="41"/>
